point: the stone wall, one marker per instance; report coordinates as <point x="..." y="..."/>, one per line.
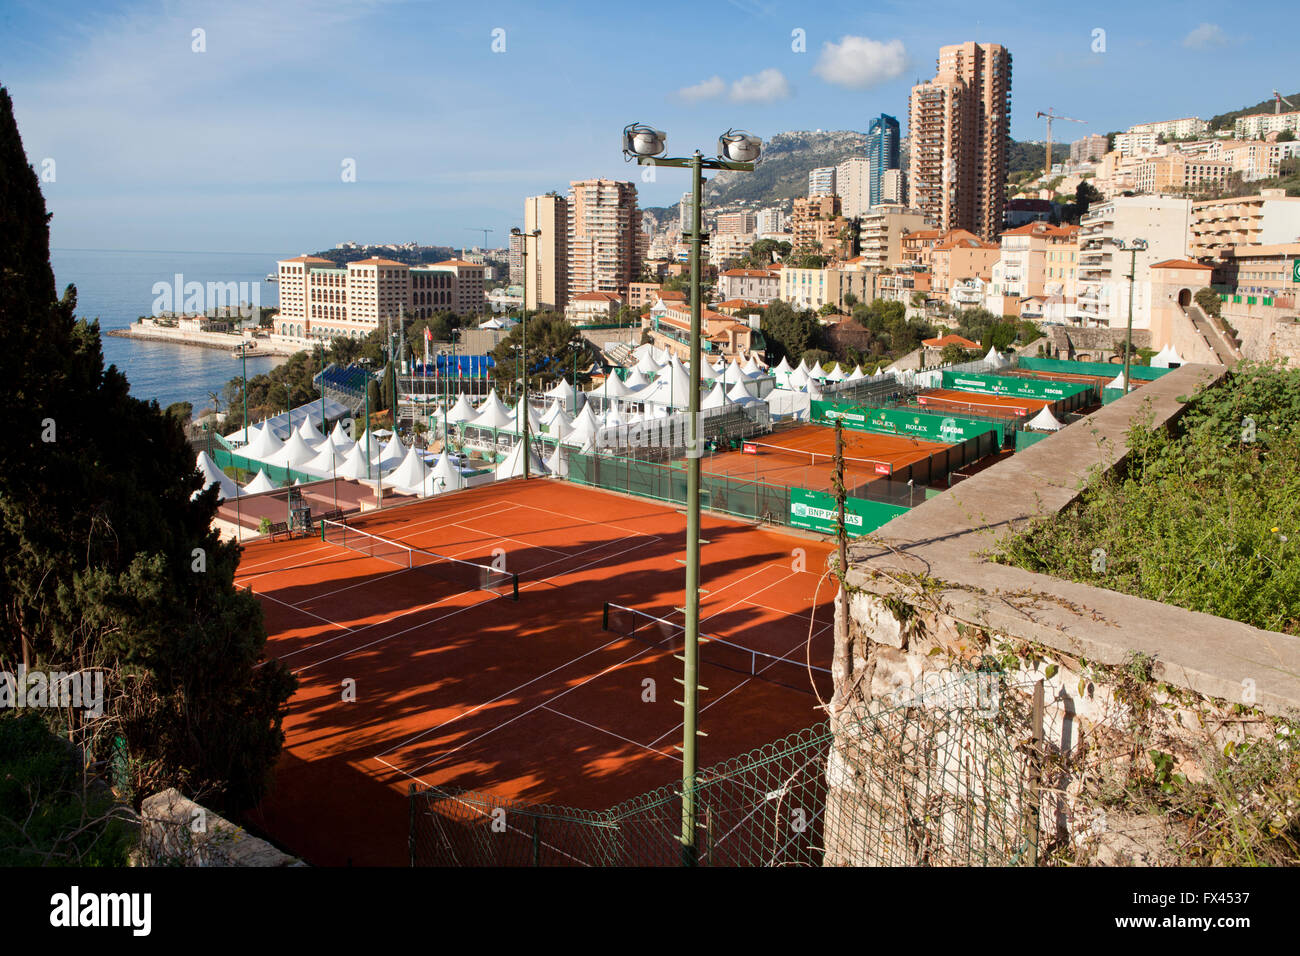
<point x="174" y="830"/>
<point x="1122" y="675"/>
<point x="1098" y="344"/>
<point x="1266" y="333"/>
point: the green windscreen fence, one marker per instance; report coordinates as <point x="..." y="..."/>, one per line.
<point x="927" y="426"/>
<point x="277" y="473"/>
<point x="817" y="511"/>
<point x="1068" y="396"/>
<point x="666" y="481"/>
<point x="1142" y="373"/>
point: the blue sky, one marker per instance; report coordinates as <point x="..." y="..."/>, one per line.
<point x="241" y="147"/>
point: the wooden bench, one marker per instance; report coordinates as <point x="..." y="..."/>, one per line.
<point x="279" y="528"/>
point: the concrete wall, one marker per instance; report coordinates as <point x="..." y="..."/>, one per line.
<point x="1266" y="332"/>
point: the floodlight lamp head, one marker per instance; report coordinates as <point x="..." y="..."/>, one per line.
<point x="738" y="146"/>
<point x="642" y="142"/>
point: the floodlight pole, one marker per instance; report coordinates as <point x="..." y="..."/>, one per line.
<point x="524" y="332"/>
<point x="1133" y="246"/>
<point x="691" y="652"/>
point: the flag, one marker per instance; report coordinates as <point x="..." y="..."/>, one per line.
<point x="428" y="337"/>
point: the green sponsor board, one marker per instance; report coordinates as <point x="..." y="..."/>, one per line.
<point x="1295" y="270"/>
<point x="816" y="511"/>
<point x="1014" y="387"/>
<point x="1143" y="373"/>
<point x="926" y="426"/>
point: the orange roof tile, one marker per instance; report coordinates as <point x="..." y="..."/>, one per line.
<point x="950" y="339"/>
<point x="1180" y="264"/>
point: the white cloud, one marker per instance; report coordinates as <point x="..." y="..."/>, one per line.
<point x="713" y="87"/>
<point x="764" y="87"/>
<point x="1204" y="37"/>
<point x="860" y="62"/>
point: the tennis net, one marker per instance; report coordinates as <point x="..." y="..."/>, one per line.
<point x="658" y="632"/>
<point x="945" y="404"/>
<point x="800" y="456"/>
<point x="468" y="574"/>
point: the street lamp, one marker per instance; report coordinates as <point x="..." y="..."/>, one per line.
<point x="1133" y="247"/>
<point x="739" y="151"/>
<point x="524" y="333"/>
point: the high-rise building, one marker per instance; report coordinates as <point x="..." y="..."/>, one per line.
<point x="743" y="221"/>
<point x="893" y="188"/>
<point x="884" y="153"/>
<point x="959" y="124"/>
<point x="770" y="220"/>
<point x="821" y="182"/>
<point x="853" y="184"/>
<point x="606" y="245"/>
<point x="516" y="258"/>
<point x="684" y="212"/>
<point x="1103" y="272"/>
<point x="548" y="254"/>
<point x="1090" y="149"/>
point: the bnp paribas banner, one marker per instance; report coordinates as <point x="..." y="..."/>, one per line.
<point x="1018" y="387"/>
<point x="926" y="426"/>
<point x="815" y="510"/>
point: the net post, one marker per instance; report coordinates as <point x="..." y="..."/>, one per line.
<point x="604" y="618"/>
<point x="514" y="586"/>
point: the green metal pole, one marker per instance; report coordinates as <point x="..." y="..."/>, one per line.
<point x="690" y="670"/>
<point x="1128" y="342"/>
<point x="523" y="406"/>
<point x="368" y="428"/>
<point x="243" y="361"/>
<point x="322" y="387"/>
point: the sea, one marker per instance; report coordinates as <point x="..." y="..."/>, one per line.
<point x="117" y="287"/>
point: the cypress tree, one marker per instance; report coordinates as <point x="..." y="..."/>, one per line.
<point x="109" y="562"/>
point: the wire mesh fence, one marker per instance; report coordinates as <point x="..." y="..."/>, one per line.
<point x="936" y="780"/>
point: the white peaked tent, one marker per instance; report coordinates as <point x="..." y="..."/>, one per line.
<point x="493" y="413"/>
<point x="409" y="477"/>
<point x="1044" y="421"/>
<point x="646" y="364"/>
<point x="837" y="374"/>
<point x="462" y="411"/>
<point x="739" y="392"/>
<point x="734" y="374"/>
<point x="262" y="444"/>
<point x="376" y="446"/>
<point x="293" y="453"/>
<point x="339" y="438"/>
<point x="259" y="484"/>
<point x="752" y="368"/>
<point x="718" y="397"/>
<point x="553" y="411"/>
<point x="1117" y="382"/>
<point x="994" y="358"/>
<point x="798" y="378"/>
<point x="309" y="432"/>
<point x="706" y="372"/>
<point x="611" y="388"/>
<point x="857" y="374"/>
<point x="585" y="427"/>
<point x="327" y="461"/>
<point x="212" y="475"/>
<point x="636" y="379"/>
<point x="354" y="465"/>
<point x="564" y="392"/>
<point x="1166" y="357"/>
<point x="394" y="449"/>
<point x="782" y="367"/>
<point x="807" y="368"/>
<point x="445" y="476"/>
<point x="673" y="386"/>
<point x="560" y="428"/>
<point x="513" y="466"/>
<point x="720" y="365"/>
<point x="517" y="422"/>
<point x="814" y="390"/>
<point x="557" y="465"/>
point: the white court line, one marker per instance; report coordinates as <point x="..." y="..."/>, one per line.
<point x="500" y="537"/>
<point x="602" y="524"/>
<point x="657" y="753"/>
<point x="444" y="616"/>
<point x="442" y="757"/>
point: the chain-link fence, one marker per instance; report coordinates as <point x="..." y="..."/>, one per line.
<point x="937" y="779"/>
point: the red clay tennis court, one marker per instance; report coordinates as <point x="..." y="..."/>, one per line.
<point x="420" y="675"/>
<point x="803" y="457"/>
<point x="977" y="403"/>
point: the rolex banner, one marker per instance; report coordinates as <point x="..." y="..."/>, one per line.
<point x="924" y="425"/>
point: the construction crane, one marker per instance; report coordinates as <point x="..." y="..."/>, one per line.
<point x="1278" y="100"/>
<point x="1047" y="171"/>
<point x="482" y="230"/>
